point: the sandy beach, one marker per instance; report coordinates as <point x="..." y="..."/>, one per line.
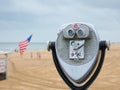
<point x="35" y="70"/>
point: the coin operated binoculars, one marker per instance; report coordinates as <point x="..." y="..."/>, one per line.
<point x="78" y="55"/>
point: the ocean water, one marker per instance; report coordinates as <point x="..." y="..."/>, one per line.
<point x="11" y="46"/>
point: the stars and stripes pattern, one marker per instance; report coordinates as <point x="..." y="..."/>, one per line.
<point x="23" y="45"/>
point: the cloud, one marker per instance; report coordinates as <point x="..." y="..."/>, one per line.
<point x="24" y="6"/>
<point x="111" y="4"/>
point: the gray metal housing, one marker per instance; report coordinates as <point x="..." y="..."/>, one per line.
<point x="78" y="70"/>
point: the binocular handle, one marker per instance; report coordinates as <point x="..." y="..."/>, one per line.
<point x="105" y="44"/>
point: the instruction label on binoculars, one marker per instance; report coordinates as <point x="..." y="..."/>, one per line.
<point x="76" y="49"/>
<point x="2" y="66"/>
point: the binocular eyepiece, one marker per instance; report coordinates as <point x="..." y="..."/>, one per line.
<point x="70" y="32"/>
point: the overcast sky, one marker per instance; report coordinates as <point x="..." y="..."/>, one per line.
<point x="43" y="18"/>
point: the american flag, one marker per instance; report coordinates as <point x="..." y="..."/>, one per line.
<point x="23" y="45"/>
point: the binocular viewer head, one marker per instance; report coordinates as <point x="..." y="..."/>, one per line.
<point x="76" y="54"/>
<point x="75" y="44"/>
